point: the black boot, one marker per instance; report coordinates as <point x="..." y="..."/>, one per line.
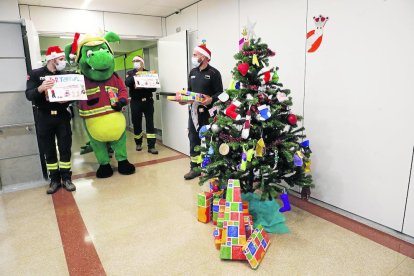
<point x="68" y="185"/>
<point x="104" y="171"/>
<point x="191" y="175"/>
<point x="53" y="187"/>
<point x="124" y="167"/>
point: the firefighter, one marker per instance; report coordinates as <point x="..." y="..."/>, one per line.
<point x="53" y="121"/>
<point x="142" y="102"/>
<point x="205" y="79"/>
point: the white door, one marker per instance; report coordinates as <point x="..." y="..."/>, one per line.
<point x="172" y="66"/>
<point x="408" y="227"/>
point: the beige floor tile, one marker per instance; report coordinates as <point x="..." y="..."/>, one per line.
<point x="406" y="268"/>
<point x="87" y="162"/>
<point x="49" y="262"/>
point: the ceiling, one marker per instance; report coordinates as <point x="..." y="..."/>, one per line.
<point x="161" y="8"/>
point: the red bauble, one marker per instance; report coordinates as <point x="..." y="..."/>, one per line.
<point x="243" y="68"/>
<point x="292" y="119"/>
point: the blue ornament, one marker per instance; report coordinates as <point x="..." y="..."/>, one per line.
<point x="211" y="150"/>
<point x="203" y="130"/>
<point x="297" y="161"/>
<point x="305" y="144"/>
<point x="206" y="161"/>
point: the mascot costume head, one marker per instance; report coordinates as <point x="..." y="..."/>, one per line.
<point x="107" y="96"/>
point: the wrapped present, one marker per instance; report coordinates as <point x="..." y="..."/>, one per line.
<point x="234" y="233"/>
<point x="218" y="205"/>
<point x="205" y="200"/>
<point x="217" y="236"/>
<point x="256" y="246"/>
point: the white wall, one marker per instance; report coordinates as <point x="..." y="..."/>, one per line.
<point x="355" y="89"/>
<point x="61" y="21"/>
<point x="9" y="10"/>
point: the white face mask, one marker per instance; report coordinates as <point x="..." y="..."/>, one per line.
<point x="60" y="65"/>
<point x="195" y="62"/>
<point x="137" y="65"/>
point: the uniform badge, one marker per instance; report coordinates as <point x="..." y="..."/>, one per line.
<point x="207" y="77"/>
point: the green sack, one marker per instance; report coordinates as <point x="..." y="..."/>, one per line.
<point x="266" y="213"/>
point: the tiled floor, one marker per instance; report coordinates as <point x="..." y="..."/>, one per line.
<point x="145" y="224"/>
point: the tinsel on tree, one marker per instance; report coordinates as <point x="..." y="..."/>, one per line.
<point x="254" y="136"/>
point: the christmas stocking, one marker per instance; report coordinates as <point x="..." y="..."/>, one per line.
<point x="286" y="204"/>
<point x="231" y="110"/>
<point x="246" y="127"/>
<point x="264" y="112"/>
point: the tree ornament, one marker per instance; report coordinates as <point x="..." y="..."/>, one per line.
<point x="224" y="149"/>
<point x="255" y="61"/>
<point x="286" y="204"/>
<point x="223" y="97"/>
<point x="215" y="128"/>
<point x="292" y="119"/>
<point x="264" y="112"/>
<point x="243" y="164"/>
<point x="249" y="155"/>
<point x="260" y="148"/>
<point x="297" y="161"/>
<point x="206" y="161"/>
<point x="243" y="68"/>
<point x="246" y="126"/>
<point x="281" y="97"/>
<point x="275" y="77"/>
<point x="307" y="166"/>
<point x="231" y="110"/>
<point x="250" y="29"/>
<point x="203" y="130"/>
<point x="305" y="144"/>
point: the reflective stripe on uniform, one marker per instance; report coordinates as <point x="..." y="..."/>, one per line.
<point x="95" y="111"/>
<point x="92" y="91"/>
<point x="151" y="135"/>
<point x="65" y="165"/>
<point x="51" y="167"/>
<point x="114" y="89"/>
<point x="138" y="136"/>
<point x="196" y="159"/>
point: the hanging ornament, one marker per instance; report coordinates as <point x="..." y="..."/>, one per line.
<point x="232" y="85"/>
<point x="203" y="130"/>
<point x="276" y="158"/>
<point x="210" y="150"/>
<point x="305" y="144"/>
<point x="260" y="147"/>
<point x="243" y="68"/>
<point x="264" y="112"/>
<point x="231" y="110"/>
<point x="215" y="128"/>
<point x="286" y="204"/>
<point x="224" y="149"/>
<point x="275" y="77"/>
<point x="255" y="61"/>
<point x="249" y="155"/>
<point x="223" y="97"/>
<point x="307" y="166"/>
<point x="292" y="119"/>
<point x="246" y="126"/>
<point x="300" y="154"/>
<point x="206" y="161"/>
<point x="297" y="161"/>
<point x="281" y="97"/>
<point x="243" y="164"/>
<point x="266" y="77"/>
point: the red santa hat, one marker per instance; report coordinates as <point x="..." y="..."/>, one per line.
<point x="138" y="58"/>
<point x="202" y="49"/>
<point x="54" y="52"/>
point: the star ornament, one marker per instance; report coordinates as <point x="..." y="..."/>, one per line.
<point x="250" y="28"/>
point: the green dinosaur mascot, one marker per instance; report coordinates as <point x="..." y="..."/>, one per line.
<point x="107" y="95"/>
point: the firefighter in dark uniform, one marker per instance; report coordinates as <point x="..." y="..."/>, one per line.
<point x="142" y="102"/>
<point x="204" y="79"/>
<point x="53" y="121"/>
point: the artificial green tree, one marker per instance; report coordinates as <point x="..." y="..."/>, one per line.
<point x="267" y="152"/>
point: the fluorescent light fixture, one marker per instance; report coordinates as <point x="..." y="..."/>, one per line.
<point x="66" y="37"/>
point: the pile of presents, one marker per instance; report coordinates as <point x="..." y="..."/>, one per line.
<point x="233" y="231"/>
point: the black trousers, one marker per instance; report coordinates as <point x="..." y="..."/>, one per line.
<point x="138" y="108"/>
<point x="52" y="127"/>
<point x="194" y="137"/>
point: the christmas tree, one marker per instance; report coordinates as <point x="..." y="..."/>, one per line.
<point x="254" y="137"/>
